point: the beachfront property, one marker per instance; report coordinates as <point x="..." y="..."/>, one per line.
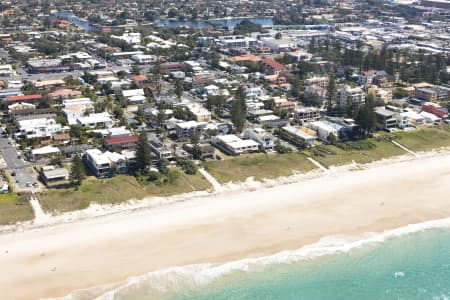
<point x="298" y="136"/>
<point x="53" y="176"/>
<point x="385" y="118"/>
<point x="106" y="164"/>
<point x="233" y="145"/>
<point x="261" y="136"/>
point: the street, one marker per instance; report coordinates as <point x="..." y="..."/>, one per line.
<point x="16" y="165"/>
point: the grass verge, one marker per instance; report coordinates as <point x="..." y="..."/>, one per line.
<point x="14" y="208"/>
<point x="115" y="190"/>
<point x="361" y="152"/>
<point x="260" y="166"/>
<point x="425" y="138"/>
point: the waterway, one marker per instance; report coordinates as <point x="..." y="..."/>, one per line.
<point x="230" y="23"/>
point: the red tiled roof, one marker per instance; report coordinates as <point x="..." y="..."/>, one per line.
<point x="23" y="98"/>
<point x="61" y="137"/>
<point x="121" y="140"/>
<point x="272" y="64"/>
<point x="140" y="78"/>
<point x="250" y="57"/>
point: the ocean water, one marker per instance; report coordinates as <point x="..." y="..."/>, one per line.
<point x="407" y="263"/>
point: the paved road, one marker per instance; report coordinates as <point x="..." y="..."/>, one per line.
<point x="16" y="165"/>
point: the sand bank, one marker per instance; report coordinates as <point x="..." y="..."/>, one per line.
<point x="55" y="260"/>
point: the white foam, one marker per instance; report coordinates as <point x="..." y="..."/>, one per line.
<point x="399" y="274"/>
<point x="201" y="274"/>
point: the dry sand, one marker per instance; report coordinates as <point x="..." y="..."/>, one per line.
<point x="53" y="261"/>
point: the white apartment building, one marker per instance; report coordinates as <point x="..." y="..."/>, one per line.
<point x="234" y="145"/>
<point x="37" y="128"/>
<point x="236" y="42"/>
<point x="94" y="120"/>
<point x="261" y="136"/>
<point x="189" y="128"/>
<point x="348" y="95"/>
<point x="76" y="108"/>
<point x="143" y="59"/>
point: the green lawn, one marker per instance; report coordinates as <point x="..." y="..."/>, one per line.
<point x="259" y="166"/>
<point x="14" y="208"/>
<point x="329" y="155"/>
<point x="426" y="138"/>
<point x="115" y="190"/>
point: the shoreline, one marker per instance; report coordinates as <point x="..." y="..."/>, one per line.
<point x="55" y="260"/>
<point x="203" y="274"/>
<point x="96" y="210"/>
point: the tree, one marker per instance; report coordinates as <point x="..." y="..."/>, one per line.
<point x="143" y="152"/>
<point x="331" y="93"/>
<point x="278" y="36"/>
<point x="366" y="117"/>
<point x="178" y="88"/>
<point x="77" y="171"/>
<point x="239" y="109"/>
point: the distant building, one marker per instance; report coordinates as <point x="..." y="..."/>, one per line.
<point x="143" y="59"/>
<point x="122" y="142"/>
<point x="94" y="120"/>
<point x="432" y="94"/>
<point x="189" y="128"/>
<point x="435" y="109"/>
<point x="306" y="114"/>
<point x="347" y="96"/>
<point x="236" y="42"/>
<point x="37" y="128"/>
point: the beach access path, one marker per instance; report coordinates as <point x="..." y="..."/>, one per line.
<point x="54" y="261"/>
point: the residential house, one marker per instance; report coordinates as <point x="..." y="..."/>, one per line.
<point x="200" y="113"/>
<point x="53" y="176"/>
<point x="44" y="152"/>
<point x="37" y="128"/>
<point x="122" y="142"/>
<point x="99" y="164"/>
<point x="385" y="118"/>
<point x="298" y="136"/>
<point x="206" y="150"/>
<point x="94" y="120"/>
<point x="271" y="66"/>
<point x="233" y="145"/>
<point x="261" y="136"/>
<point x="189" y="128"/>
<point x="134" y="97"/>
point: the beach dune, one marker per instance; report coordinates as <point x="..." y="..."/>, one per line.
<point x="54" y="261"/>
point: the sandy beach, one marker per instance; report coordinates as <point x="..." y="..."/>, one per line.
<point x="56" y="260"/>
